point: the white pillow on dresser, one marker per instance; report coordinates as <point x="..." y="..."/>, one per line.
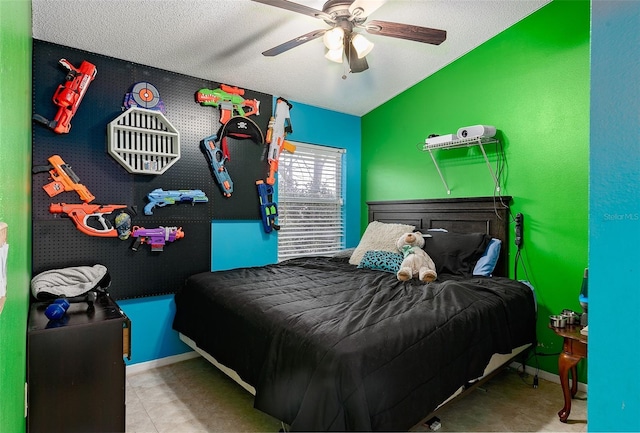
<point x="379" y="237"/>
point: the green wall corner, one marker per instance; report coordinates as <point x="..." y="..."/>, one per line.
<point x="15" y="205"/>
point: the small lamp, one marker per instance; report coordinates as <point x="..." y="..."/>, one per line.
<point x="362" y="45"/>
<point x="334" y="38"/>
<point x="335" y="55"/>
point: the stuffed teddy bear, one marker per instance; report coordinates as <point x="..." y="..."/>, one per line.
<point x="416" y="261"/>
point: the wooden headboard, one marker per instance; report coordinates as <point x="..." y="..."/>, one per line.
<point x="488" y="215"/>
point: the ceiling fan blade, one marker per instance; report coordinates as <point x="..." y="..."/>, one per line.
<point x="364" y="8"/>
<point x="295" y="7"/>
<point x="293" y="43"/>
<point x="356" y="64"/>
<point x="406" y="31"/>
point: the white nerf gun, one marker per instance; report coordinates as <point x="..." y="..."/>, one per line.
<point x="279" y="127"/>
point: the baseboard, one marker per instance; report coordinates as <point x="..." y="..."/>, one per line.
<point x="546" y="375"/>
<point x="144" y="366"/>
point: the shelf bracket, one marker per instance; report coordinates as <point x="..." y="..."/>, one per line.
<point x="486" y="159"/>
<point x="465" y="142"/>
<point x="444" y="182"/>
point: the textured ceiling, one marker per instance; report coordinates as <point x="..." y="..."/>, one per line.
<point x="222" y="41"/>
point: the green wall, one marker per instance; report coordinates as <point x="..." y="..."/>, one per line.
<point x="532" y="83"/>
<point x="15" y="204"/>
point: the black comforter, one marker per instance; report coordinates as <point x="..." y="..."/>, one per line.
<point x="328" y="346"/>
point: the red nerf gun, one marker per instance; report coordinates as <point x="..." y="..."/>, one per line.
<point x="64" y="179"/>
<point x="89" y="218"/>
<point x="69" y="95"/>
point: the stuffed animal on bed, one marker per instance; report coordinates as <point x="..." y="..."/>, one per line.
<point x="417" y="262"/>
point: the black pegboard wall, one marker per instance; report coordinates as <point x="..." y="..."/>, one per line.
<point x="56" y="241"/>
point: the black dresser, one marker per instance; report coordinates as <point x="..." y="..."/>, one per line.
<point x="75" y="368"/>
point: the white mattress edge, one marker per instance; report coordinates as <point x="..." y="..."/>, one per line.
<point x="497" y="361"/>
<point x="226" y="370"/>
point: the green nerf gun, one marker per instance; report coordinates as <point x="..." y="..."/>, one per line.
<point x="229" y="100"/>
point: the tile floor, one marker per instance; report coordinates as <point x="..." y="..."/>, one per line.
<point x="193" y="396"/>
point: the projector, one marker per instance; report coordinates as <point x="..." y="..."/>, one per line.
<point x="477" y="131"/>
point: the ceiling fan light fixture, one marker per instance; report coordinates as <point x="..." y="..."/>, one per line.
<point x="362" y="45"/>
<point x="334" y="38"/>
<point x="335" y="55"/>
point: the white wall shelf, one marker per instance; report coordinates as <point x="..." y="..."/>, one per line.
<point x="463" y="142"/>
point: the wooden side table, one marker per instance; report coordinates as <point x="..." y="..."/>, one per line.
<point x="573" y="350"/>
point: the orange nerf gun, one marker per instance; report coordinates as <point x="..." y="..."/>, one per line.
<point x="278" y="128"/>
<point x="69" y="95"/>
<point x="89" y="218"/>
<point x="64" y="179"/>
<point x="230" y="100"/>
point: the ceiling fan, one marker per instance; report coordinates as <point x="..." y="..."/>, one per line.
<point x="344" y="16"/>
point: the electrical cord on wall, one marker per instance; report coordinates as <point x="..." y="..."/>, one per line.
<point x="501" y="163"/>
<point x="519" y="240"/>
<point x="522" y="369"/>
<point x="523" y="373"/>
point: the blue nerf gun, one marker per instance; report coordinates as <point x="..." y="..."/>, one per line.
<point x="159" y="197"/>
<point x="268" y="209"/>
<point x="217" y="158"/>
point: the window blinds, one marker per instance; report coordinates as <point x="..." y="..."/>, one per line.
<point x="310" y="201"/>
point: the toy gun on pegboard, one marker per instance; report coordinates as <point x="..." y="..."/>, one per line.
<point x="217" y="158"/>
<point x="157" y="237"/>
<point x="279" y="127"/>
<point x="230" y="100"/>
<point x="69" y="95"/>
<point x="159" y="197"/>
<point x="268" y="209"/>
<point x="63" y="179"/>
<point x="90" y="219"/>
<point x="239" y="128"/>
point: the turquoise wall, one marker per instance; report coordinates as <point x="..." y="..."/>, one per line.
<point x="531" y="82"/>
<point x="151" y="334"/>
<point x="614" y="224"/>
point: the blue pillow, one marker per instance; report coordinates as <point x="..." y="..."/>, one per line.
<point x="487" y="263"/>
<point x="381" y="261"/>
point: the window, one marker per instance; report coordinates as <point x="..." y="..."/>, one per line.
<point x="310" y="201"/>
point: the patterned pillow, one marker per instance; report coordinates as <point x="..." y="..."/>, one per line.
<point x="381" y="261"/>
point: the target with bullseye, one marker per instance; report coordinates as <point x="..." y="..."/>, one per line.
<point x="144" y="95"/>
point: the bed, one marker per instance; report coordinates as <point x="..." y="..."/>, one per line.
<point x="326" y="344"/>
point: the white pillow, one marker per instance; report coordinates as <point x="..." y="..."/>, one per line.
<point x="379" y="237"/>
